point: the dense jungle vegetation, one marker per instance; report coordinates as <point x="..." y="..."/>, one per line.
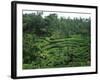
<point x="53" y="42"/>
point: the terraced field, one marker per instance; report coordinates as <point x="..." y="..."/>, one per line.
<point x="67" y="52"/>
<point x="55" y="40"/>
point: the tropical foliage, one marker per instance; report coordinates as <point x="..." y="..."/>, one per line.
<point x="51" y="42"/>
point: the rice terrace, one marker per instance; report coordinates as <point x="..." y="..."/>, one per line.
<point x="55" y="39"/>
